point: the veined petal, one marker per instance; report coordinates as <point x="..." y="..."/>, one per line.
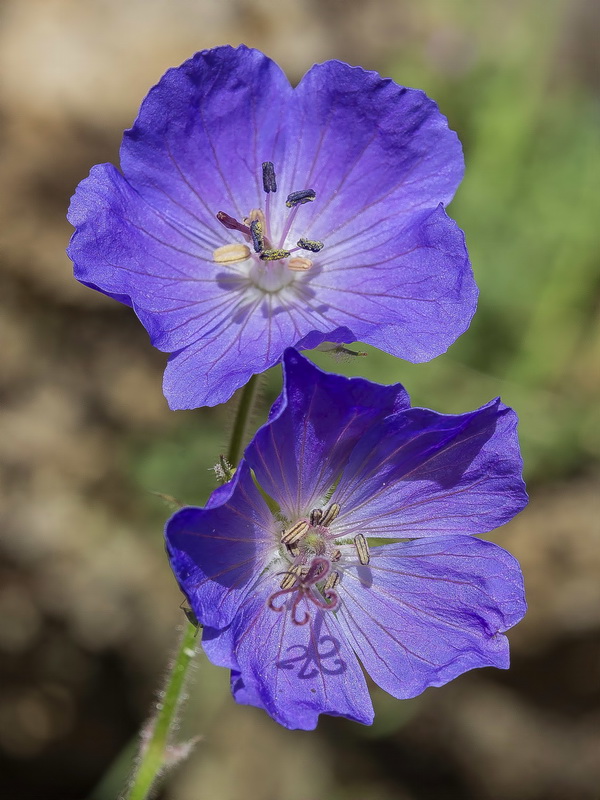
<point x="369" y="148"/>
<point x="420" y="473"/>
<point x="296" y="672"/>
<point x="203" y="131"/>
<point x="312" y="429"/>
<point x="406" y="290"/>
<point x="218" y="552"/>
<point x="424" y="612"/>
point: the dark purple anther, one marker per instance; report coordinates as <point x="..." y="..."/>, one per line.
<point x="268" y="176"/>
<point x="299" y="198"/>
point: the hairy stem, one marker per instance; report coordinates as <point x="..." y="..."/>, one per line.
<point x="154" y="754"/>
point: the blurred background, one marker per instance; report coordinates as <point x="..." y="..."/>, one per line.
<point x="88" y="608"/>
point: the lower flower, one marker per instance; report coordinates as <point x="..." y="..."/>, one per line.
<point x="293" y="600"/>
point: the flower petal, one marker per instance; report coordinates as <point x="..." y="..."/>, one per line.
<point x="203" y="132"/>
<point x="406" y="290"/>
<point x="131" y="251"/>
<point x="312" y="429"/>
<point x="296" y="672"/>
<point x="369" y="148"/>
<point x="424" y="612"/>
<point x="420" y="473"/>
<point x="218" y="552"/>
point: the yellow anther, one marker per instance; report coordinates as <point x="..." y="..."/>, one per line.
<point x="231" y="253"/>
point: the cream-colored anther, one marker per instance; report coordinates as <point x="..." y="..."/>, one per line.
<point x="336" y="555"/>
<point x="299" y="264"/>
<point x="231" y="253"/>
<point x="292" y="575"/>
<point x="362" y="549"/>
<point x="332" y="581"/>
<point x="330" y="514"/>
<point x="256" y="214"/>
<point x="316" y="515"/>
<point x="295" y="533"/>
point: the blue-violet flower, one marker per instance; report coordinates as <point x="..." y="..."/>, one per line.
<point x="250" y="216"/>
<point x="290" y="568"/>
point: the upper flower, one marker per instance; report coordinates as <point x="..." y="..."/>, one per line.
<point x="250" y="216"/>
<point x="293" y="591"/>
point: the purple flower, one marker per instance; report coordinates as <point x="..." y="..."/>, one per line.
<point x="294" y="580"/>
<point x="250" y="216"/>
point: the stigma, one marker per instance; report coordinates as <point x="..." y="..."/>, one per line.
<point x="315" y="561"/>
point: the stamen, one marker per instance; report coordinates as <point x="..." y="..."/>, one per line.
<point x="332" y="581"/>
<point x="268" y="176"/>
<point x="336" y="555"/>
<point x="232" y="224"/>
<point x="310" y="244"/>
<point x="299" y="198"/>
<point x="362" y="549"/>
<point x="315" y="516"/>
<point x="291" y="576"/>
<point x="330" y="514"/>
<point x="299" y="264"/>
<point x="274" y="255"/>
<point x="257" y="233"/>
<point x="295" y="533"/>
<point x="230" y="253"/>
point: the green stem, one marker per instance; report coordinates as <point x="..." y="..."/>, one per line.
<point x="154" y="751"/>
<point x="154" y="754"/>
<point x="236" y="443"/>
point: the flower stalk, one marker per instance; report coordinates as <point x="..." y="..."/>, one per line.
<point x="155" y="753"/>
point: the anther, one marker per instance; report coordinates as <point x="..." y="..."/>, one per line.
<point x="274" y="255"/>
<point x="299" y="264"/>
<point x="231" y="223"/>
<point x="268" y="176"/>
<point x="257" y="233"/>
<point x="292" y="575"/>
<point x="330" y="514"/>
<point x="315" y="516"/>
<point x="310" y="244"/>
<point x="230" y="253"/>
<point x="332" y="581"/>
<point x="295" y="533"/>
<point x="335" y="555"/>
<point x="362" y="549"/>
<point x="299" y="198"/>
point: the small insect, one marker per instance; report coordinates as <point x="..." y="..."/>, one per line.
<point x="190" y="616"/>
